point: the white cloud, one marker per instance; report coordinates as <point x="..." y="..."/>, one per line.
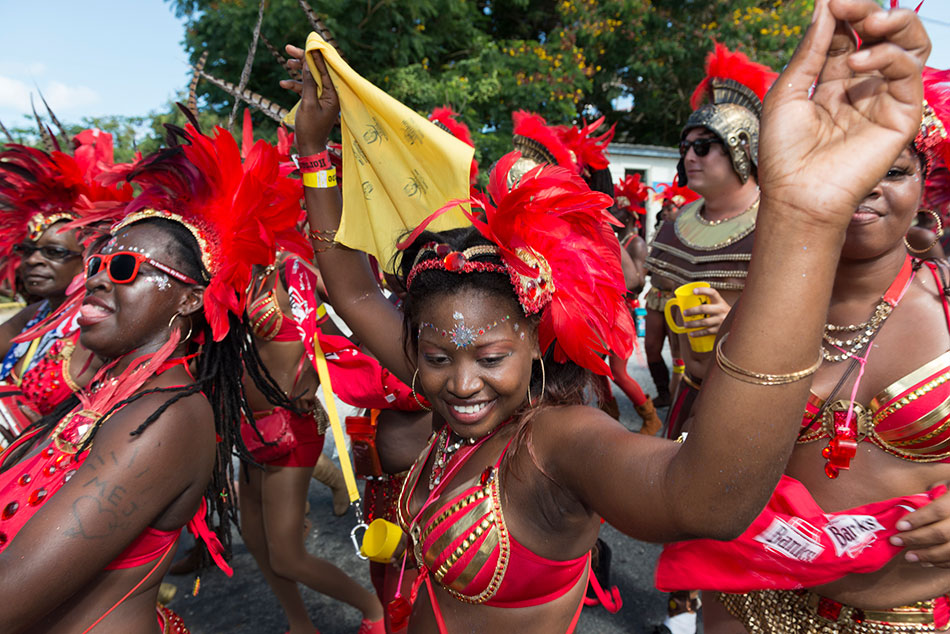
<point x="15" y="95"/>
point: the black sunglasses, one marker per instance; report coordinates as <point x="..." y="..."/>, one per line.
<point x="49" y="252"/>
<point x="700" y="146"/>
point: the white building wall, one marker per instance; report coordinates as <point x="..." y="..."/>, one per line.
<point x="658" y="164"/>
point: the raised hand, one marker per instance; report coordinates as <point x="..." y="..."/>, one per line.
<point x="820" y="155"/>
<point x="317" y="113"/>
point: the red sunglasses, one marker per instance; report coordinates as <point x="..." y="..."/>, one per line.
<point x="123" y="266"/>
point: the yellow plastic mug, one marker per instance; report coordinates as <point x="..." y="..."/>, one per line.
<point x="381" y="540"/>
<point x="684" y="298"/>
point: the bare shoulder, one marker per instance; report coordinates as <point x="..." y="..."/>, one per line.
<point x="560" y="434"/>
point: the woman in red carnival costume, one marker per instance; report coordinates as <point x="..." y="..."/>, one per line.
<point x="836" y="550"/>
<point x="505" y="504"/>
<point x="102" y="487"/>
<point x="39" y="194"/>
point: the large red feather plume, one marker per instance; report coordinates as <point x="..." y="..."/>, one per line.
<point x="243" y="211"/>
<point x="590" y="152"/>
<point x="722" y="63"/>
<point x="553" y="216"/>
<point x="932" y="140"/>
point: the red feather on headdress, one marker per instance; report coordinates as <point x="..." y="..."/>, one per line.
<point x="552" y="215"/>
<point x="631" y="195"/>
<point x="722" y="63"/>
<point x="673" y="193"/>
<point x="448" y="119"/>
<point x="932" y="140"/>
<point x="534" y="127"/>
<point x="589" y="151"/>
<point x="244" y="211"/>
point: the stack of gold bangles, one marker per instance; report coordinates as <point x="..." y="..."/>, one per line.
<point x="324" y="237"/>
<point x="759" y="378"/>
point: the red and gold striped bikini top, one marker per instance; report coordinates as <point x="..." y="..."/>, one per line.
<point x="909" y="419"/>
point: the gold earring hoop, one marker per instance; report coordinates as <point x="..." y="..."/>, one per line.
<point x="938" y="233"/>
<point x="544" y="381"/>
<point x="172" y="320"/>
<point x="416" y="396"/>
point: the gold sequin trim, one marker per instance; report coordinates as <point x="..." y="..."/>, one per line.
<point x="697" y="234"/>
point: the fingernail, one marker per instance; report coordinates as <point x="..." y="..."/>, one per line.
<point x="896" y="541"/>
<point x="903" y="525"/>
<point x="912" y="557"/>
<point x="925" y="564"/>
<point x="861" y="56"/>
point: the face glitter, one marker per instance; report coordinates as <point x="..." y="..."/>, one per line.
<point x="461" y="335"/>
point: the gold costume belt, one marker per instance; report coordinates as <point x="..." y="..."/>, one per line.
<point x="656" y="298"/>
<point x="804" y="612"/>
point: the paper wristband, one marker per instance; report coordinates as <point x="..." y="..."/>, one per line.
<point x="314" y="162"/>
<point x="320" y="180"/>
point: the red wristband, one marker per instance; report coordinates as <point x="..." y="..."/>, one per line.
<point x="314" y="162"/>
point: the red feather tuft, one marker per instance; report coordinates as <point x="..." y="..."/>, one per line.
<point x="673" y="193"/>
<point x="722" y="63"/>
<point x="631" y="195"/>
<point x="448" y="118"/>
<point x="533" y="126"/>
<point x="552" y="213"/>
<point x="590" y="152"/>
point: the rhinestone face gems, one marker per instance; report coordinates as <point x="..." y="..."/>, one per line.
<point x="461" y="335"/>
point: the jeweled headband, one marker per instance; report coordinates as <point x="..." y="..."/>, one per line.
<point x="40" y="222"/>
<point x="207" y="257"/>
<point x="534" y="291"/>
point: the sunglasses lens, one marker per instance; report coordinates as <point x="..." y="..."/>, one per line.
<point x="122" y="267"/>
<point x="701" y="147"/>
<point x="55" y="253"/>
<point x="23" y="249"/>
<point x="92" y="265"/>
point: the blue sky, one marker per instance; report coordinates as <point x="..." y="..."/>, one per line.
<point x="106" y="57"/>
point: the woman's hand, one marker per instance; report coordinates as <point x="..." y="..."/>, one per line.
<point x="865" y="104"/>
<point x="926" y="533"/>
<point x="316" y="115"/>
<point x="715" y="313"/>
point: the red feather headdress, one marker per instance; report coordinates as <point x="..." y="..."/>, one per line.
<point x="553" y="236"/>
<point x="539" y="142"/>
<point x="631" y="195"/>
<point x="673" y="193"/>
<point x="589" y="151"/>
<point x="38" y="189"/>
<point x="447" y="119"/>
<point x="723" y="64"/>
<point x="932" y="140"/>
<point x="240" y="213"/>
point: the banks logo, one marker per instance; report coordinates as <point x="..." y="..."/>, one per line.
<point x="852" y="533"/>
<point x="795" y="539"/>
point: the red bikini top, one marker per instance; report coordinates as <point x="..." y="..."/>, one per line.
<point x="464" y="543"/>
<point x="909" y="419"/>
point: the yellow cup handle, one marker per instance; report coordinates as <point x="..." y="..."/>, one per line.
<point x="675" y="327"/>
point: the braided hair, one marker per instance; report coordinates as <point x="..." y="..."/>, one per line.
<point x="215" y="377"/>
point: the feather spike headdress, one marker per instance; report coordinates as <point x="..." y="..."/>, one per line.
<point x="590" y="151"/>
<point x="631" y="195"/>
<point x="240" y="213"/>
<point x="553" y="236"/>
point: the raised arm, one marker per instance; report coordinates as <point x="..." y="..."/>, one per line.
<point x="351" y="285"/>
<point x="867" y="105"/>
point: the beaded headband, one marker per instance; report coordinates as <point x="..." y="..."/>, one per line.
<point x="40" y="222"/>
<point x="207" y="258"/>
<point x="534" y="291"/>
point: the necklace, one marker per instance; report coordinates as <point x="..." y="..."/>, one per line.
<point x="444" y="450"/>
<point x="866" y="330"/>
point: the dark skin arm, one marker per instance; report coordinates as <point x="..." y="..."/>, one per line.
<point x="742" y="434"/>
<point x="123" y="486"/>
<point x="352" y="287"/>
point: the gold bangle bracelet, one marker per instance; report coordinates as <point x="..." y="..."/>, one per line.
<point x="760" y="378"/>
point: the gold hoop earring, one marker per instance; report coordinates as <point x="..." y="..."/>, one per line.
<point x="544" y="381"/>
<point x="416" y="396"/>
<point x="938" y="233"/>
<point x="172" y="320"/>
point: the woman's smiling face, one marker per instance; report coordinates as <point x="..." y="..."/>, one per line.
<point x="475" y="351"/>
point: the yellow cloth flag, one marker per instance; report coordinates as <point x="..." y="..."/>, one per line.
<point x="398" y="167"/>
